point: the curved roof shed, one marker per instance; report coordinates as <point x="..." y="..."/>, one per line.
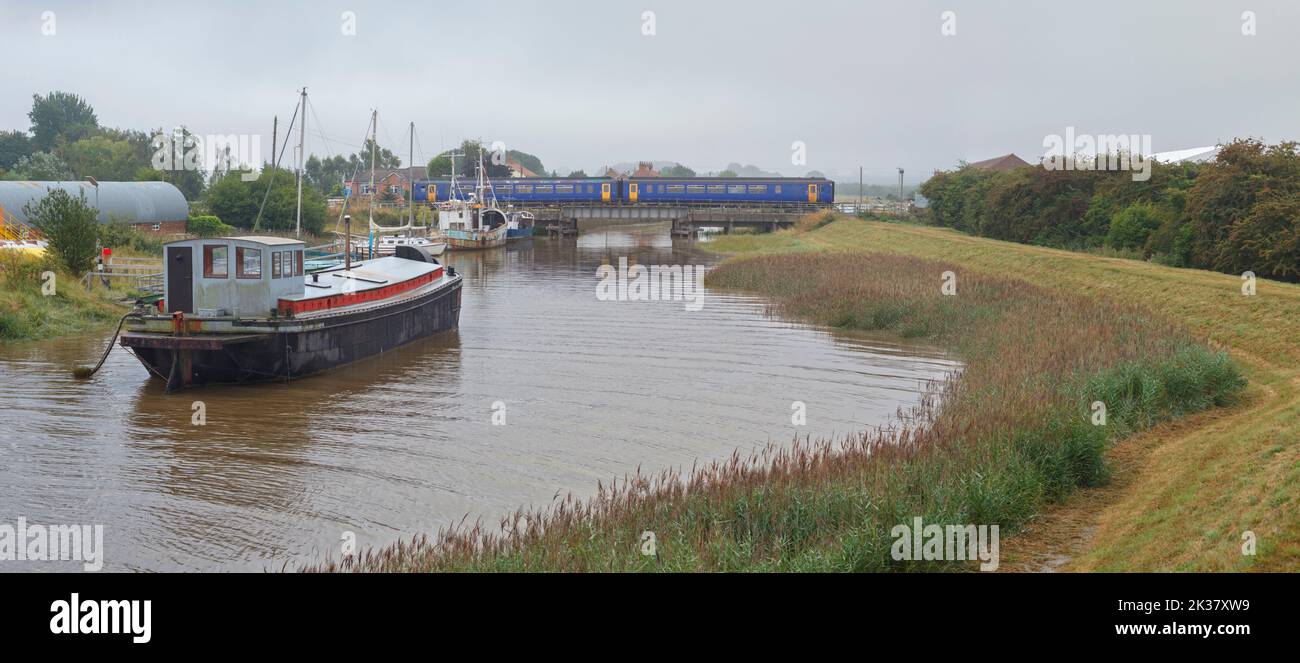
<point x="129" y="202"/>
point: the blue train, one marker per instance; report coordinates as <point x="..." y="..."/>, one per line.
<point x="702" y="190"/>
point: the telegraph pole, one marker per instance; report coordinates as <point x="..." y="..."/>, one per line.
<point x="275" y="129"/>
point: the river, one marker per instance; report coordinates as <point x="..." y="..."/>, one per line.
<point x="544" y="390"/>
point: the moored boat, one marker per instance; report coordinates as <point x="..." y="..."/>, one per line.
<point x="476" y="223"/>
<point x="241" y="309"/>
<point x="519" y="225"/>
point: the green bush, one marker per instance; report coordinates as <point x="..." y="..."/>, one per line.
<point x="71" y="226"/>
<point x="208" y="226"/>
<point x="1130" y="228"/>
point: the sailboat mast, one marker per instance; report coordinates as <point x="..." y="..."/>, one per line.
<point x="410" y="182"/>
<point x="302" y="157"/>
<point x="374" y="129"/>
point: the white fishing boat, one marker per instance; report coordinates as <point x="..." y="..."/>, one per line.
<point x="388" y="244"/>
<point x="476" y="222"/>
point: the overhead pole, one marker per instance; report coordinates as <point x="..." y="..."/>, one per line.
<point x="275" y="130"/>
<point x="302" y="159"/>
<point x="859" y="189"/>
<point x="900" y="185"/>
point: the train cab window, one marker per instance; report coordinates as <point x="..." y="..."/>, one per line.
<point x="216" y="261"/>
<point x="248" y="263"/>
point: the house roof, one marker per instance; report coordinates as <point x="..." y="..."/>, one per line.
<point x="409" y="174"/>
<point x="1004" y="162"/>
<point x="519" y="167"/>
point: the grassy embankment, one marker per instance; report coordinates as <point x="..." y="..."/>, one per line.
<point x="1012" y="433"/>
<point x="26" y="313"/>
<point x="1186" y="491"/>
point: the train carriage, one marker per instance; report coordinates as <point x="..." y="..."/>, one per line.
<point x="730" y="190"/>
<point x="529" y="190"/>
<point x="668" y="190"/>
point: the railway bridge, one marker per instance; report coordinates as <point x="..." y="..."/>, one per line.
<point x="685" y="219"/>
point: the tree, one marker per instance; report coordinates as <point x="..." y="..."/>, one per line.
<point x="526" y="160"/>
<point x="43" y="166"/>
<point x="467" y="158"/>
<point x="60" y="115"/>
<point x="578" y="174"/>
<point x="677" y="170"/>
<point x="236" y="202"/>
<point x="70" y="226"/>
<point x="440" y="166"/>
<point x="1131" y="227"/>
<point x="14" y="145"/>
<point x="727" y="173"/>
<point x="103" y="158"/>
<point x="384" y="157"/>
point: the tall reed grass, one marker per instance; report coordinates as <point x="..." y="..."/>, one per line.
<point x="1011" y="431"/>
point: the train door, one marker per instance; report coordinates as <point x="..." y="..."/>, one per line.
<point x="431" y="192"/>
<point x="632" y="191"/>
<point x="812" y="193"/>
<point x="604" y="192"/>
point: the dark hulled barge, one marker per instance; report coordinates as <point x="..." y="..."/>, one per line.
<point x="241" y="309"/>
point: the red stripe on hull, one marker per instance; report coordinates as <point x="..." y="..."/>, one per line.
<point x="340" y="301"/>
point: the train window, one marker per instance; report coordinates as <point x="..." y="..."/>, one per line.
<point x="523" y="188"/>
<point x="544" y="188"/>
<point x="564" y="188"/>
<point x="758" y="188"/>
<point x="676" y="188"/>
<point x="695" y="188"/>
<point x="735" y="188"/>
<point x="590" y="189"/>
<point x="777" y="188"/>
<point x="506" y="188"/>
<point x="717" y="188"/>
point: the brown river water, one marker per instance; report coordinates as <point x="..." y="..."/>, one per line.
<point x="405" y="443"/>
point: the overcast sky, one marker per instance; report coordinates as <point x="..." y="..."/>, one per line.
<point x="864" y="83"/>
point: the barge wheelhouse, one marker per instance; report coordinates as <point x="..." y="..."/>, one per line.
<point x="241" y="309"/>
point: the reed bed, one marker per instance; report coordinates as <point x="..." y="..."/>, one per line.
<point x="1011" y="431"/>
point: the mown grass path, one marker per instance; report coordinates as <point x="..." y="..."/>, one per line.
<point x="1185" y="492"/>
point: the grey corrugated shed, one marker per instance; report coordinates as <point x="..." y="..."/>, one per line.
<point x="130" y="202"/>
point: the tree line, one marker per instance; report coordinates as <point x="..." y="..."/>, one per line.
<point x="1237" y="213"/>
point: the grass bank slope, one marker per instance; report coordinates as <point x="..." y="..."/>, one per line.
<point x="1194" y="488"/>
<point x="1011" y="433"/>
<point x="27" y="313"/>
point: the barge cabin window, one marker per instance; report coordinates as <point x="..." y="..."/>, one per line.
<point x="248" y="263"/>
<point x="285" y="264"/>
<point x="216" y="261"/>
